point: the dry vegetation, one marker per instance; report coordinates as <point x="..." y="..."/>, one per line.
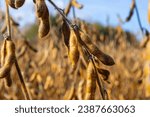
<point x="80" y="61"/>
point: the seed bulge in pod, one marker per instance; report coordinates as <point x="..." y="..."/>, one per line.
<point x="90" y="82"/>
<point x="40" y="8"/>
<point x="44" y="28"/>
<point x="73" y="49"/>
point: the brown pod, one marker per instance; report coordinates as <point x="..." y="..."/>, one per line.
<point x="34" y="1"/>
<point x="73" y="49"/>
<point x="8" y="80"/>
<point x="66" y="33"/>
<point x="19" y="3"/>
<point x="76" y="4"/>
<point x="44" y="28"/>
<point x="90" y="82"/>
<point x="131" y="11"/>
<point x="4" y="71"/>
<point x="11" y="3"/>
<point x="105" y="73"/>
<point x="41" y="8"/>
<point x="104" y="58"/>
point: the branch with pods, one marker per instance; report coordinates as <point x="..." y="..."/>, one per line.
<point x="76" y="40"/>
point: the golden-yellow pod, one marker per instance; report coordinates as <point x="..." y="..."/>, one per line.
<point x="9" y="56"/>
<point x="147" y="78"/>
<point x="73" y="49"/>
<point x="147" y="51"/>
<point x="90" y="82"/>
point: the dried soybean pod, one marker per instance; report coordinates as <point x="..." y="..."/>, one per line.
<point x="44" y="28"/>
<point x="10" y="49"/>
<point x="66" y="33"/>
<point x="90" y="82"/>
<point x="34" y="1"/>
<point x="69" y="93"/>
<point x="3" y="56"/>
<point x="104" y="58"/>
<point x="4" y="71"/>
<point x="73" y="49"/>
<point x="11" y="3"/>
<point x="149" y="11"/>
<point x="40" y="8"/>
<point x="3" y="53"/>
<point x="105" y="73"/>
<point x="80" y="90"/>
<point x="8" y="80"/>
<point x="19" y="3"/>
<point x="131" y="11"/>
<point x="9" y="59"/>
<point x="76" y="4"/>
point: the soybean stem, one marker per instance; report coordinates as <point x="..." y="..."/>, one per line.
<point x="8" y="19"/>
<point x="22" y="81"/>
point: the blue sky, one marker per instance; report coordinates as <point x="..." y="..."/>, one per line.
<point x="93" y="11"/>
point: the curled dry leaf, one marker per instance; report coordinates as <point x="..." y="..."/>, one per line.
<point x="72" y="3"/>
<point x="76" y="4"/>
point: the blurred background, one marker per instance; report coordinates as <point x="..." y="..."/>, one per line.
<point x="104" y="12"/>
